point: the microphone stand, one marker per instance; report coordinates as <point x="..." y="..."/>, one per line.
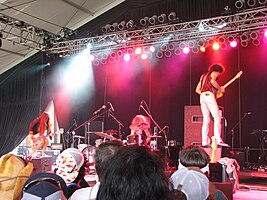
<point x="119" y="123"/>
<point x="160" y="130"/>
<point x="89" y="121"/>
<point x="232" y="130"/>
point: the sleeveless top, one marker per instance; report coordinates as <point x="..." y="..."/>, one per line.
<point x="206" y="84"/>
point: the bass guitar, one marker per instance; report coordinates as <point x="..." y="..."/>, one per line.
<point x="219" y="94"/>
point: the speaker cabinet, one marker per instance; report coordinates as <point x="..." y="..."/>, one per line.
<point x="43" y="164"/>
<point x="193" y="124"/>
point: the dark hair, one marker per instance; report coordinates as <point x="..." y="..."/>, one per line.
<point x="194" y="156"/>
<point x="134" y="173"/>
<point x="104" y="151"/>
<point x="216" y="68"/>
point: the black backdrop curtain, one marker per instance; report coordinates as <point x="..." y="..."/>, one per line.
<point x="166" y="84"/>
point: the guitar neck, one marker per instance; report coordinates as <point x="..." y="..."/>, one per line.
<point x="229" y="82"/>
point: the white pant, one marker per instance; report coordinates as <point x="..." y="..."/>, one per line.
<point x="209" y="105"/>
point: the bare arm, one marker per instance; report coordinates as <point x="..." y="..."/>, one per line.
<point x="198" y="87"/>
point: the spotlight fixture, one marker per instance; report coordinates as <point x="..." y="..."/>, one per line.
<point x="130" y="24"/>
<point x="113" y="27"/>
<point x="162" y="18"/>
<point x="121" y="26"/>
<point x="105" y="28"/>
<point x="144" y="21"/>
<point x="251" y="3"/>
<point x="240" y="4"/>
<point x="172" y="16"/>
<point x="262" y="2"/>
<point x="152" y="20"/>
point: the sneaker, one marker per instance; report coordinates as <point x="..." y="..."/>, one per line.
<point x="221" y="143"/>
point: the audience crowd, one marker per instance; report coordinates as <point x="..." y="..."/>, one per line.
<point x="132" y="172"/>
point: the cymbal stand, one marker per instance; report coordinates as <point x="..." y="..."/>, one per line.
<point x="110" y="113"/>
<point x="147" y="111"/>
<point x="232" y="130"/>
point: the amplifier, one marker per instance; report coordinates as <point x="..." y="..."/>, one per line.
<point x="53" y="153"/>
<point x="42" y="164"/>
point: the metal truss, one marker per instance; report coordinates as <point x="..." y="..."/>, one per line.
<point x="248" y="20"/>
<point x="19" y="32"/>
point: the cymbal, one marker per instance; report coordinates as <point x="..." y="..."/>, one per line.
<point x="155" y="136"/>
<point x="139" y="126"/>
<point x="115" y="132"/>
<point x="105" y="135"/>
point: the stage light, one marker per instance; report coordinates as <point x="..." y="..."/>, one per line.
<point x="233" y="43"/>
<point x="138" y="50"/>
<point x="159" y="54"/>
<point x="105" y="28"/>
<point x="168" y="54"/>
<point x="240" y="4"/>
<point x="120" y="53"/>
<point x="153" y="20"/>
<point x="121" y="25"/>
<point x="262" y="2"/>
<point x="152" y="49"/>
<point x="172" y="16"/>
<point x="144" y="56"/>
<point x="144" y="21"/>
<point x="265" y="33"/>
<point x="130" y="24"/>
<point x="251" y="3"/>
<point x="216" y="46"/>
<point x="113" y="27"/>
<point x="162" y="18"/>
<point x="91" y="57"/>
<point x="126" y="57"/>
<point x="186" y="50"/>
<point x="202" y="49"/>
<point x="254" y="35"/>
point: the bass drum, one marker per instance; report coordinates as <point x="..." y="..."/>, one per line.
<point x="89" y="154"/>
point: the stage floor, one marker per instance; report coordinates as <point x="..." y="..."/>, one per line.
<point x="253" y="186"/>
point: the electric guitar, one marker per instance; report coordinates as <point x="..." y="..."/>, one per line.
<point x="33" y="139"/>
<point x="219" y="94"/>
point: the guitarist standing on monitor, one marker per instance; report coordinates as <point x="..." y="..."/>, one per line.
<point x="39" y="129"/>
<point x="207" y="88"/>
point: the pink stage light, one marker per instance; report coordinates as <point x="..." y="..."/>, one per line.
<point x="126" y="57"/>
<point x="144" y="56"/>
<point x="216" y="46"/>
<point x="265" y="33"/>
<point x="186" y="50"/>
<point x="138" y="50"/>
<point x="233" y="43"/>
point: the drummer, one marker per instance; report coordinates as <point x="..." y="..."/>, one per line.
<point x="140" y="125"/>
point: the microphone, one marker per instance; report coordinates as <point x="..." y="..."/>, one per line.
<point x="100" y="109"/>
<point x="247" y="113"/>
<point x="110" y="104"/>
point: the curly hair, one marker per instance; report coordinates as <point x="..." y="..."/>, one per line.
<point x="216" y="68"/>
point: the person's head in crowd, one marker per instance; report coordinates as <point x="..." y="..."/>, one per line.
<point x="44" y="186"/>
<point x="69" y="163"/>
<point x="194" y="156"/>
<point x="104" y="151"/>
<point x="70" y="166"/>
<point x="134" y="173"/>
<point x="14" y="172"/>
<point x="194" y="184"/>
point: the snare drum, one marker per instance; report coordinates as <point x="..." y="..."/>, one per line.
<point x="135" y="139"/>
